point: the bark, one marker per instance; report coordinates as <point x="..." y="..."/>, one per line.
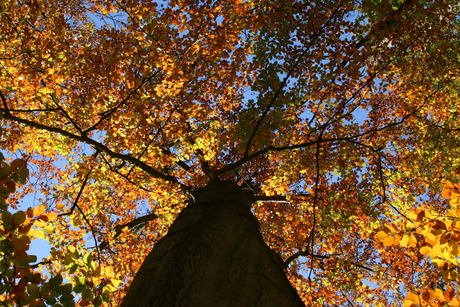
<point x="213" y="255"/>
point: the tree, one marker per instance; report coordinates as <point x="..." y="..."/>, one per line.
<point x="332" y="123"/>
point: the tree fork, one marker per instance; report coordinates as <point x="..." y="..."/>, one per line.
<point x="213" y="255"/>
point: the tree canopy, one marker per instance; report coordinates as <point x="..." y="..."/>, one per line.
<point x="347" y="111"/>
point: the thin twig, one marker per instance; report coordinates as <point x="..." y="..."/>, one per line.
<point x="75" y="205"/>
<point x="285" y="80"/>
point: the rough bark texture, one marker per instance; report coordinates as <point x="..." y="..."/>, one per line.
<point x="213" y="255"/>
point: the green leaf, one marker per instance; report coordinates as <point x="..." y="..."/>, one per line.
<point x="79" y="288"/>
<point x="56" y="281"/>
<point x="5" y="170"/>
<point x="4" y="192"/>
<point x="88" y="258"/>
<point x="87" y="294"/>
<point x="32" y="288"/>
<point x="21" y="175"/>
<point x="2" y="203"/>
<point x="66" y="298"/>
<point x="31" y="258"/>
<point x="19" y="218"/>
<point x="64" y="289"/>
<point x="7" y="219"/>
<point x="51" y="300"/>
<point x="5" y="246"/>
<point x="73" y="269"/>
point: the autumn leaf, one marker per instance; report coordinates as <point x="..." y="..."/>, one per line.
<point x="408" y="239"/>
<point x="336" y="123"/>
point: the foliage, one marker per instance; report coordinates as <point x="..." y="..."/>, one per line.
<point x="428" y="233"/>
<point x="122" y="108"/>
<point x="21" y="281"/>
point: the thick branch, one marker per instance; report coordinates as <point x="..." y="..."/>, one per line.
<point x="84" y="139"/>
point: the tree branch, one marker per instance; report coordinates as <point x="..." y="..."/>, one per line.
<point x="285" y="80"/>
<point x="308" y="254"/>
<point x="75" y="205"/>
<point x="138" y="221"/>
<point x="270" y="199"/>
<point x="84" y="139"/>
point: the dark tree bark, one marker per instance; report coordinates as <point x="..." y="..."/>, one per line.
<point x="213" y="255"/>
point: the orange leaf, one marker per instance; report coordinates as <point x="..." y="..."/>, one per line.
<point x="449" y="294"/>
<point x="412" y="300"/>
<point x="425" y="250"/>
<point x="381" y="234"/>
<point x="389" y="241"/>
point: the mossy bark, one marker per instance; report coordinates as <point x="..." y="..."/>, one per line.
<point x="213" y="255"/>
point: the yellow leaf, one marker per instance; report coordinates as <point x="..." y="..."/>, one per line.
<point x="40" y="223"/>
<point x="48" y="229"/>
<point x="412" y="216"/>
<point x="437" y="293"/>
<point x="439" y="262"/>
<point x="446" y="193"/>
<point x="39" y="233"/>
<point x="116" y="282"/>
<point x="447" y="184"/>
<point x="39" y="210"/>
<point x="408" y="239"/>
<point x="412" y="240"/>
<point x="449" y="294"/>
<point x="59" y="206"/>
<point x="408" y="303"/>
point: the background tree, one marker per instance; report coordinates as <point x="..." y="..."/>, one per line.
<point x="348" y="109"/>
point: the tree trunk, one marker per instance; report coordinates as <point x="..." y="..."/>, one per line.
<point x="213" y="255"/>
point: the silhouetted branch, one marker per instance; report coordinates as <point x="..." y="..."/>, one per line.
<point x="308" y="254"/>
<point x="84" y="139"/>
<point x="285" y="80"/>
<point x="64" y="112"/>
<point x="75" y="205"/>
<point x="115" y="170"/>
<point x="105" y="115"/>
<point x="138" y="221"/>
